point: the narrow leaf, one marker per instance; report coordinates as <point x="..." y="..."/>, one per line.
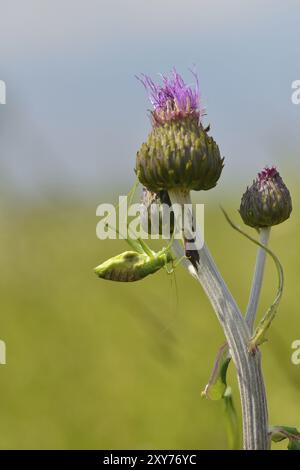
<point x="217" y="389"/>
<point x="217" y="384"/>
<point x="279" y="433"/>
<point x="232" y="425"/>
<point x="259" y="336"/>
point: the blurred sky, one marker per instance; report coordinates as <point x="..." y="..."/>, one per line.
<point x="75" y="114"/>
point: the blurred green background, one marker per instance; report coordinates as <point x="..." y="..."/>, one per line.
<point x="93" y="364"/>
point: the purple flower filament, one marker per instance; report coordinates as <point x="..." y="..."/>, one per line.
<point x="267" y="174"/>
<point x="173" y="99"/>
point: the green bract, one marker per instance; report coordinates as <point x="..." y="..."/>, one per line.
<point x="179" y="154"/>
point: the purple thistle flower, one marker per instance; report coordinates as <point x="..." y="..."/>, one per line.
<point x="174" y="99"/>
<point x="267" y="174"/>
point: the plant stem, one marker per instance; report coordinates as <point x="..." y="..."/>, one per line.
<point x="257" y="278"/>
<point x="248" y="366"/>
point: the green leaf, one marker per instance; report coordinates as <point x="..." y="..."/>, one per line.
<point x="217" y="389"/>
<point x="232" y="425"/>
<point x="294" y="445"/>
<point x="259" y="336"/>
<point x="217" y="384"/>
<point x="279" y="433"/>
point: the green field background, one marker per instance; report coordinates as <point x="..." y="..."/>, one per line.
<point x="97" y="364"/>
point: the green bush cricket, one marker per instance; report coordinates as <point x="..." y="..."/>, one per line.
<point x="138" y="263"/>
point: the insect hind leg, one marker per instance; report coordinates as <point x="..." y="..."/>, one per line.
<point x="169" y="270"/>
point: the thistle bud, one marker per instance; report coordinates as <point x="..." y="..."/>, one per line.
<point x="179" y="153"/>
<point x="156" y="216"/>
<point x="267" y="202"/>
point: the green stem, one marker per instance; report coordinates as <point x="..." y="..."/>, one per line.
<point x="257" y="278"/>
<point x="237" y="333"/>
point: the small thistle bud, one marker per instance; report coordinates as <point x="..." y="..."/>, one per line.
<point x="267" y="202"/>
<point x="179" y="153"/>
<point x="156" y="216"/>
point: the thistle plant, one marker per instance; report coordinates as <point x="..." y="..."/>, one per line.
<point x="178" y="156"/>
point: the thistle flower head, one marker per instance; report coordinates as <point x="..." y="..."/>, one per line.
<point x="179" y="153"/>
<point x="267" y="202"/>
<point x="174" y="99"/>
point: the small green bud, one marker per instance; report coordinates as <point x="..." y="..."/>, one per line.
<point x="179" y="155"/>
<point x="267" y="202"/>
